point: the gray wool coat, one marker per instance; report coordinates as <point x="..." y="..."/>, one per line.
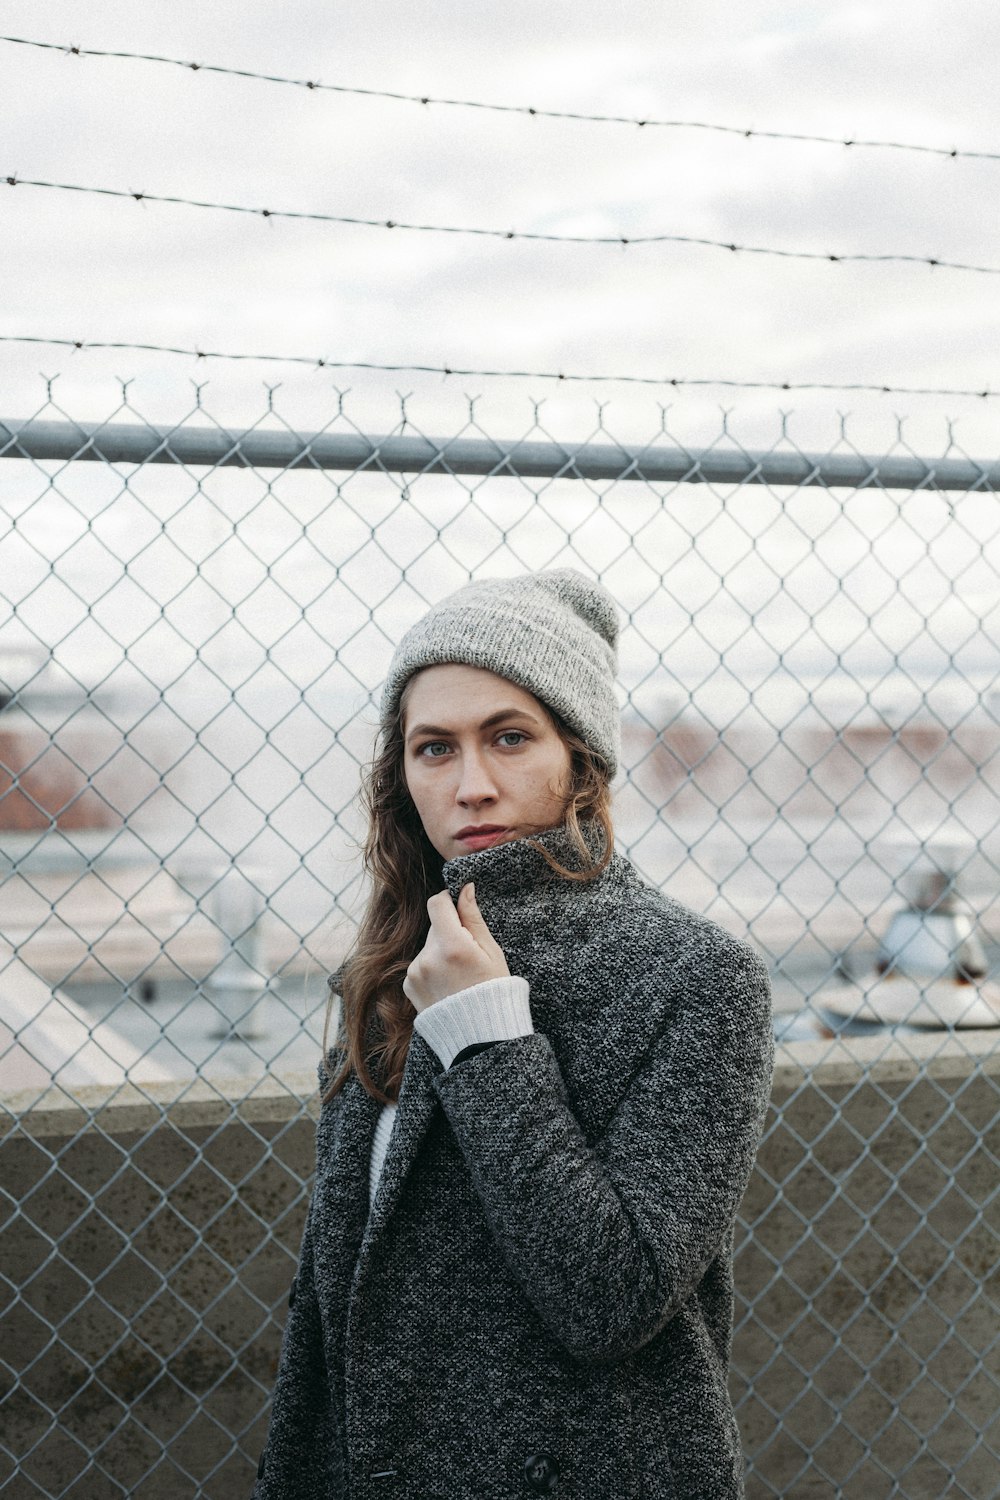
<point x="540" y="1301"/>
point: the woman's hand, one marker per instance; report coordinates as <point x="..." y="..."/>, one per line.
<point x="460" y="951"/>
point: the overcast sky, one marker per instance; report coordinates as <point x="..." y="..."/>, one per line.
<point x="78" y="266"/>
<point x="892" y="591"/>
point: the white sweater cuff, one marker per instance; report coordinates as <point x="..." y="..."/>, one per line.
<point x="493" y="1011"/>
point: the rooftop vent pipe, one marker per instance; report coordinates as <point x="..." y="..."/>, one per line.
<point x="238" y="982"/>
<point x="930" y="970"/>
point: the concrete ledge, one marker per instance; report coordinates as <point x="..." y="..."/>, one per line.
<point x="127" y="1108"/>
<point x="885" y="1058"/>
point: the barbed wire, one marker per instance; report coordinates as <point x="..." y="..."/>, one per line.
<point x="623" y="240"/>
<point x="321" y="362"/>
<point x="315" y="86"/>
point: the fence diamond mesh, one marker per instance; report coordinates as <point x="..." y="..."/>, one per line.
<point x="195" y="623"/>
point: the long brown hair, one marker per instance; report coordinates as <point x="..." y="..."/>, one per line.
<point x="404" y="870"/>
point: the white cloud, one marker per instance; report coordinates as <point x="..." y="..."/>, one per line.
<point x="81" y="266"/>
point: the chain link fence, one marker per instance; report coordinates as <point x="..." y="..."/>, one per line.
<point x="195" y="624"/>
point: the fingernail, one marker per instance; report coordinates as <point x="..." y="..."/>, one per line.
<point x="471" y="890"/>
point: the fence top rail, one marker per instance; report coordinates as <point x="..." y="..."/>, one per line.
<point x="260" y="448"/>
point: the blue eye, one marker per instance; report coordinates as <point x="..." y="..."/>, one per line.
<point x="432" y="746"/>
<point x="514" y="735"/>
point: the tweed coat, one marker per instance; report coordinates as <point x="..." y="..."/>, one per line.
<point x="540" y="1301"/>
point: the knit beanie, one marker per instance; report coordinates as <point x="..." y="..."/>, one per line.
<point x="554" y="633"/>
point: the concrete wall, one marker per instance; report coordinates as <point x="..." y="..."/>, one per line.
<point x="869" y="1276"/>
<point x="156" y="1232"/>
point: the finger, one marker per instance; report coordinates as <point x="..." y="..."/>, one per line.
<point x="441" y="910"/>
<point x="468" y="907"/>
<point x="472" y="918"/>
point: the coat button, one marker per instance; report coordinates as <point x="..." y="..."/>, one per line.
<point x="292" y="1290"/>
<point x="542" y="1472"/>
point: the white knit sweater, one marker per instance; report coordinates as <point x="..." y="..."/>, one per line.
<point x="493" y="1011"/>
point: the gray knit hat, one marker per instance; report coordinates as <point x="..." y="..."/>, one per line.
<point x="553" y="633"/>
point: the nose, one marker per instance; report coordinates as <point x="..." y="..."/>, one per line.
<point x="476" y="786"/>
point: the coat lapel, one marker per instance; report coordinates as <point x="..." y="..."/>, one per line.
<point x="417" y="1105"/>
<point x="345" y="1232"/>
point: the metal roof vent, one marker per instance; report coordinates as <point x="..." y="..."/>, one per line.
<point x="933" y="936"/>
<point x="930" y="970"/>
<point x="238" y="983"/>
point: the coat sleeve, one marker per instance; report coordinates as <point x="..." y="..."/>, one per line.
<point x="608" y="1241"/>
<point x="301" y="1457"/>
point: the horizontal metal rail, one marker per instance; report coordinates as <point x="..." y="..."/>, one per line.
<point x="132" y="443"/>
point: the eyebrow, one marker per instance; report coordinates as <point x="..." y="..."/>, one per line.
<point x="501" y="716"/>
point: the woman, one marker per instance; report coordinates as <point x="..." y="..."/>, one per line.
<point x="540" y="1115"/>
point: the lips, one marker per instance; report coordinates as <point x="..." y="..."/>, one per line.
<point x="482" y="835"/>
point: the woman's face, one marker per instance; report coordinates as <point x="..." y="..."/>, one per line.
<point x="483" y="760"/>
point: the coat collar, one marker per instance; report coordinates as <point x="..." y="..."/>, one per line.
<point x="518" y="867"/>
